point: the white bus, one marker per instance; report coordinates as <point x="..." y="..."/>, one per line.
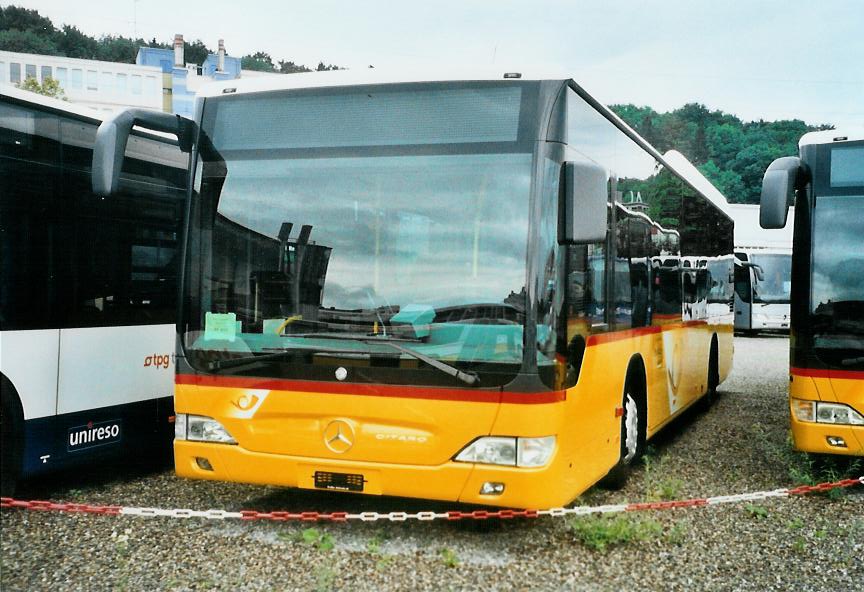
<point x="763" y="285"/>
<point x="87" y="291"/>
<point x="763" y="278"/>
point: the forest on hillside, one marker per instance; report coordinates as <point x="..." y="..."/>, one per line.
<point x="731" y="153"/>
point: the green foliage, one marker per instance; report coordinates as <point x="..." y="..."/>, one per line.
<point x="449" y="557"/>
<point x="26" y="42"/>
<point x="195" y="52"/>
<point x="287" y="67"/>
<point x="756" y="511"/>
<point x="49" y="87"/>
<point x="732" y="154"/>
<point x="315" y="538"/>
<point x="259" y="61"/>
<point x="599" y="533"/>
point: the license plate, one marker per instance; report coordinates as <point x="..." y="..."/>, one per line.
<point x="339" y="481"/>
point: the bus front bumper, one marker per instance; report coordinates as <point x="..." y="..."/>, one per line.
<point x="451" y="481"/>
<point x="822" y="438"/>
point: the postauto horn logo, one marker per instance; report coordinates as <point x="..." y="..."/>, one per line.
<point x="95" y="434"/>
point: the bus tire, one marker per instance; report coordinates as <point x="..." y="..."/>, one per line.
<point x="711" y="394"/>
<point x="633" y="430"/>
<point x="11" y="426"/>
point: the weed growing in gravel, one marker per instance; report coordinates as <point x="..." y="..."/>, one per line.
<point x="807" y="469"/>
<point x="756" y="511"/>
<point x="315" y="538"/>
<point x="676" y="535"/>
<point x="601" y="532"/>
<point x="449" y="557"/>
<point x="658" y="488"/>
<point x="325" y="576"/>
<point x="799" y="545"/>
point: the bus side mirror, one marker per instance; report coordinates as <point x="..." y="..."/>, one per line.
<point x="113" y="134"/>
<point x="778" y="187"/>
<point x="584" y="203"/>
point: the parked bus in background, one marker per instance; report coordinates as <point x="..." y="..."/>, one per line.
<point x="87" y="291"/>
<point x="763" y="284"/>
<point x="430" y="288"/>
<point x="826" y="392"/>
<point x="761" y="304"/>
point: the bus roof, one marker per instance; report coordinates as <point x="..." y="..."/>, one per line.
<point x="50" y="103"/>
<point x="750" y="235"/>
<point x="333" y="78"/>
<point x="832" y="136"/>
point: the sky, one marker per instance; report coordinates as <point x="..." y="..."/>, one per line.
<point x="757" y="59"/>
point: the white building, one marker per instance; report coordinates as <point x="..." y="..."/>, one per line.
<point x="106" y="87"/>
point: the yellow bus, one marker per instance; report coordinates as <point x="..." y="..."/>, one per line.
<point x="826" y="388"/>
<point x="432" y="288"/>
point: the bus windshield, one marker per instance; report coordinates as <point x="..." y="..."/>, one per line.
<point x="837" y="291"/>
<point x="776" y="283"/>
<point x="320" y="235"/>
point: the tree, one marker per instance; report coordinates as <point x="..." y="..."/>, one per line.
<point x="195" y="52"/>
<point x="49" y="87"/>
<point x="259" y="61"/>
<point x="286" y="67"/>
<point x="118" y="49"/>
<point x="72" y="43"/>
<point x="26" y="42"/>
<point x="21" y="19"/>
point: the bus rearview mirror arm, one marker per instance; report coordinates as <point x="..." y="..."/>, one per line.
<point x="584" y="198"/>
<point x="781" y="179"/>
<point x="113" y="135"/>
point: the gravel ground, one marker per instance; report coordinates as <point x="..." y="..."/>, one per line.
<point x="741" y="444"/>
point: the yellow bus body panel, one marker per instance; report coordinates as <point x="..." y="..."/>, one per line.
<point x="404" y="445"/>
<point x="826" y="386"/>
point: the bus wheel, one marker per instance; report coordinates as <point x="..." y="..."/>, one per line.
<point x="713" y="377"/>
<point x="11" y="449"/>
<point x="632" y="441"/>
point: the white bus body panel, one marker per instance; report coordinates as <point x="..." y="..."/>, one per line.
<point x="770" y="316"/>
<point x="29" y="360"/>
<point x="105" y="366"/>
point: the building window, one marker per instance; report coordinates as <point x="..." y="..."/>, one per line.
<point x="14" y="73"/>
<point x="62" y="77"/>
<point x="136" y="84"/>
<point x="46" y="73"/>
<point x="76" y="79"/>
<point x="92" y="81"/>
<point x="151" y="86"/>
<point x="120" y="84"/>
<point x="105" y="81"/>
<point x="30" y="71"/>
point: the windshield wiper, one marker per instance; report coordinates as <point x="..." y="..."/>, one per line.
<point x="287" y="352"/>
<point x="852" y="361"/>
<point x="469" y="378"/>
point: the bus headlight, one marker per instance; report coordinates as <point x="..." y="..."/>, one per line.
<point x="201" y="429"/>
<point x="819" y="412"/>
<point x="521" y="452"/>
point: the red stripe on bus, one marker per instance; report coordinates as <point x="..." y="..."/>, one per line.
<point x="598" y="338"/>
<point x="819" y="373"/>
<point x="373" y="390"/>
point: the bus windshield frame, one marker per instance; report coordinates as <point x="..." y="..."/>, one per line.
<point x="346" y="229"/>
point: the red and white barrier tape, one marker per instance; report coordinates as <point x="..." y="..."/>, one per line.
<point x="43" y="506"/>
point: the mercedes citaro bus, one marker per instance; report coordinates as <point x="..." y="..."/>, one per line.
<point x="826" y="389"/>
<point x="429" y="288"/>
<point x="87" y="291"/>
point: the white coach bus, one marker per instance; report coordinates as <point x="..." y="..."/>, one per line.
<point x="87" y="291"/>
